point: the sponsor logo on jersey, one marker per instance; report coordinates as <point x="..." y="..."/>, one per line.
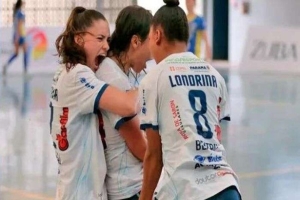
<point x="211" y="159"/>
<point x="177" y="120"/>
<point x="200" y="145"/>
<point x="185" y="60"/>
<point x="62" y="138"/>
<point x="199" y="68"/>
<point x="212" y="177"/>
<point x="178" y="69"/>
<point x="199" y="165"/>
<point x="86" y="84"/>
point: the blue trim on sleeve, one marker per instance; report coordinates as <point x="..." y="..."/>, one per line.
<point x="227" y="118"/>
<point x="96" y="103"/>
<point x="145" y="126"/>
<point x="122" y="121"/>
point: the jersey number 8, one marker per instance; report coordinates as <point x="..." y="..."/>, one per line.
<point x="193" y="95"/>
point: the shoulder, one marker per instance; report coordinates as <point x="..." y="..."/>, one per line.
<point x="19" y="14"/>
<point x="218" y="76"/>
<point x="110" y="73"/>
<point x="80" y="72"/>
<point x="107" y="64"/>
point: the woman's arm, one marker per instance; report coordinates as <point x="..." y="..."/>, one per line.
<point x="152" y="164"/>
<point x="119" y="102"/>
<point x="134" y="137"/>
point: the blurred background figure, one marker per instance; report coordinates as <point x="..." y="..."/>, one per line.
<point x="18" y="36"/>
<point x="197" y="30"/>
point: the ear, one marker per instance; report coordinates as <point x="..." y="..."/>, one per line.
<point x="135" y="41"/>
<point x="158" y="36"/>
<point x="78" y="39"/>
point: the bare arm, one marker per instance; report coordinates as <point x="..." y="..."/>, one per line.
<point x="208" y="55"/>
<point x="134" y="138"/>
<point x="152" y="164"/>
<point x="119" y="102"/>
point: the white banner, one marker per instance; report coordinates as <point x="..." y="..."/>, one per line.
<point x="272" y="48"/>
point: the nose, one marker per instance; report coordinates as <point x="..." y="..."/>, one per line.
<point x="106" y="45"/>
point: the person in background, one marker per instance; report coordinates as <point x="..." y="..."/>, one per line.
<point x="197" y="32"/>
<point x="19" y="34"/>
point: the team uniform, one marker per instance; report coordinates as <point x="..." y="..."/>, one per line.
<point x="184" y="98"/>
<point x="124" y="170"/>
<point x="19" y="16"/>
<point x="136" y="78"/>
<point x="196" y="27"/>
<point x="74" y="130"/>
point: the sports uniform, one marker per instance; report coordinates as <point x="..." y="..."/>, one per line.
<point x="74" y="130"/>
<point x="19" y="16"/>
<point x="196" y="26"/>
<point x="124" y="170"/>
<point x="184" y="98"/>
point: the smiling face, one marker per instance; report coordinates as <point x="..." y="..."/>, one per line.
<point x="95" y="43"/>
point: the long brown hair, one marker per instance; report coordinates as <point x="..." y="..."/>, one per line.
<point x="68" y="50"/>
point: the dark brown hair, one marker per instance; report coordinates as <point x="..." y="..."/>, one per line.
<point x="17" y="6"/>
<point x="79" y="20"/>
<point x="132" y="20"/>
<point x="173" y="21"/>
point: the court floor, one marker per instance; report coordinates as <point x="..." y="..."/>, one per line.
<point x="262" y="140"/>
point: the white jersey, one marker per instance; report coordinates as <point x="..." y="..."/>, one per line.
<point x="184" y="98"/>
<point x="124" y="171"/>
<point x="136" y="78"/>
<point x="74" y="130"/>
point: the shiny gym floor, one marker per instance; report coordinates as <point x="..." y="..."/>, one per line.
<point x="262" y="140"/>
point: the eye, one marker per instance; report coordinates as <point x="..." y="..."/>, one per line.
<point x="100" y="39"/>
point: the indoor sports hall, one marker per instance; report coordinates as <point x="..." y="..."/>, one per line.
<point x="255" y="46"/>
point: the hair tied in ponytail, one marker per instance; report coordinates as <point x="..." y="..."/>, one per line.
<point x="171" y="3"/>
<point x="79" y="9"/>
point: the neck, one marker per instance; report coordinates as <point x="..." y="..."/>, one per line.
<point x="173" y="48"/>
<point x="122" y="62"/>
<point x="191" y="13"/>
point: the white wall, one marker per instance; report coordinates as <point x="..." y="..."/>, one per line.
<point x="262" y="12"/>
<point x="154" y="5"/>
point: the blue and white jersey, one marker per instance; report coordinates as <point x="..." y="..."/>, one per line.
<point x="184" y="98"/>
<point x="19" y="16"/>
<point x="124" y="170"/>
<point x="74" y="130"/>
<point x="197" y="25"/>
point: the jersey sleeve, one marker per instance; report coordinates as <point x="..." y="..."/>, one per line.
<point x="89" y="90"/>
<point x="110" y="75"/>
<point x="224" y="103"/>
<point x="201" y="24"/>
<point x="149" y="100"/>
